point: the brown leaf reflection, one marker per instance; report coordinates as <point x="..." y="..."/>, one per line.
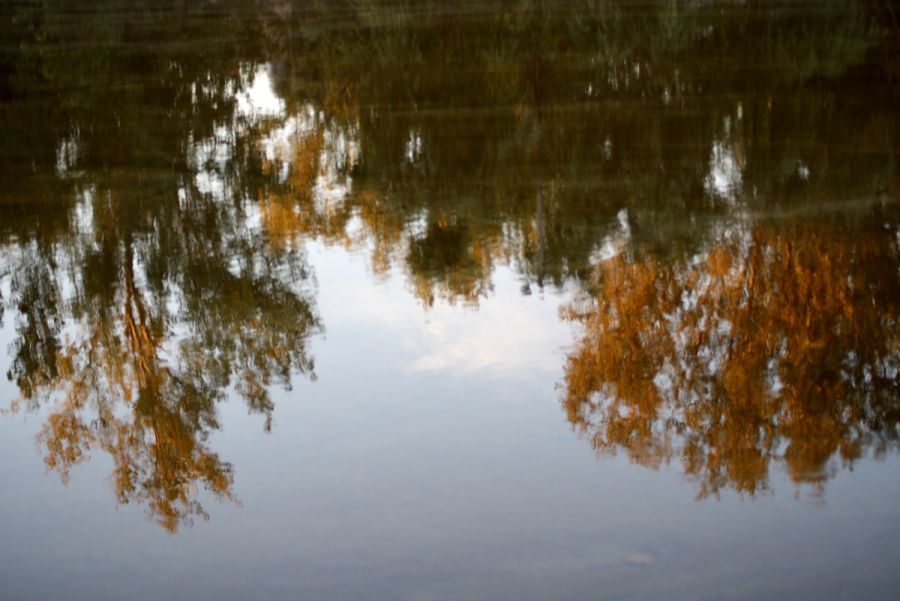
<point x="778" y="344"/>
<point x="165" y="163"/>
<point x="134" y="339"/>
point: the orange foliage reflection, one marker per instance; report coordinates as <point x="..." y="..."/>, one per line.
<point x="779" y="344"/>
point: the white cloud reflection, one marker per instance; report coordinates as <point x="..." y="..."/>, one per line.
<point x="506" y="335"/>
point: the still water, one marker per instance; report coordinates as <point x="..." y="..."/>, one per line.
<point x="395" y="300"/>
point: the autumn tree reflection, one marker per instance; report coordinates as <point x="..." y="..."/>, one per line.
<point x="165" y="163"/>
<point x="447" y="140"/>
<point x="136" y="337"/>
<point x="779" y="344"/>
<point x="142" y="291"/>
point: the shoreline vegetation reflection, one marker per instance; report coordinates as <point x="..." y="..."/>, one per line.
<point x="720" y="180"/>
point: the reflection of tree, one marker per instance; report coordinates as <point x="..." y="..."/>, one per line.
<point x="775" y="345"/>
<point x="154" y="227"/>
<point x="145" y="295"/>
<point x="514" y="132"/>
<point x="149" y="348"/>
<point x="446" y="259"/>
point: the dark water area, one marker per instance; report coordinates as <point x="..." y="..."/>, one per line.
<point x="420" y="300"/>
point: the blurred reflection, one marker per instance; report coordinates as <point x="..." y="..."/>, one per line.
<point x="444" y="140"/>
<point x="779" y="343"/>
<point x="165" y="163"/>
<point x="144" y="287"/>
<point x="134" y="336"/>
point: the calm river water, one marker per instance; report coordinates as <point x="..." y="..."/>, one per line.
<point x="394" y="300"/>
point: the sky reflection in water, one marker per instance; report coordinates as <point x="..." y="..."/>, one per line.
<point x="439" y="255"/>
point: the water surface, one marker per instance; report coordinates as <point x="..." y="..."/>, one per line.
<point x="449" y="300"/>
